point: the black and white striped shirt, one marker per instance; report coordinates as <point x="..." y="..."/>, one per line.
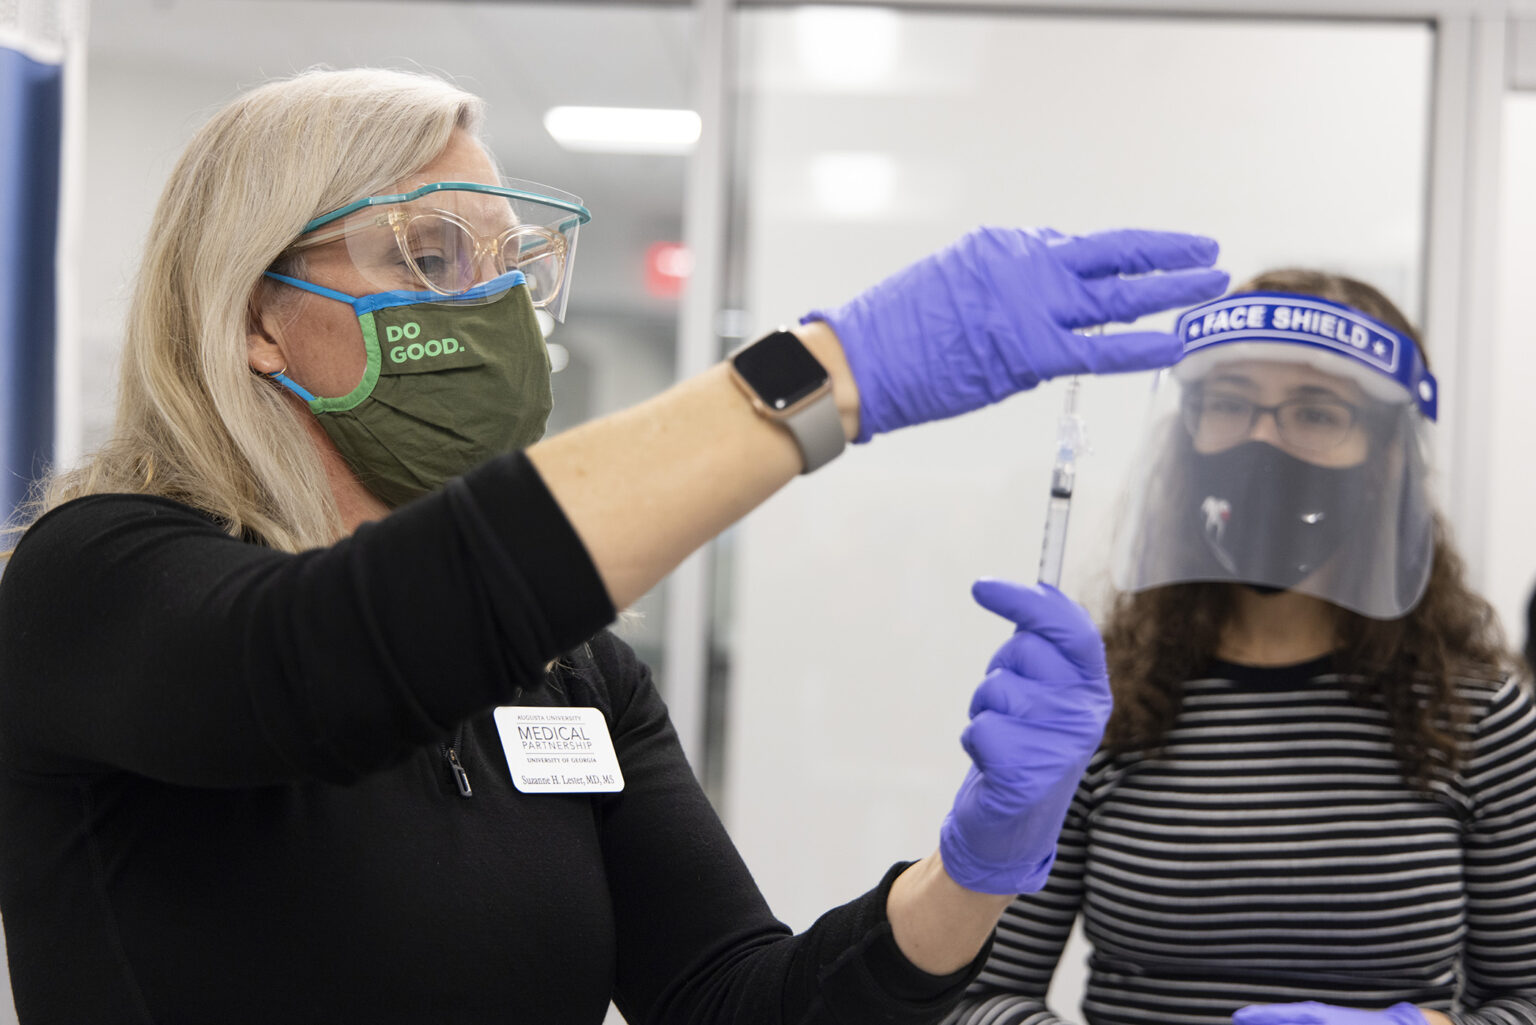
<point x="1273" y="853"/>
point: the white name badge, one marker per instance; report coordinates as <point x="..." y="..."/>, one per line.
<point x="559" y="750"/>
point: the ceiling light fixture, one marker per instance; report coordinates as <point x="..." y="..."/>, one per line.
<point x="623" y="129"/>
<point x="848" y="47"/>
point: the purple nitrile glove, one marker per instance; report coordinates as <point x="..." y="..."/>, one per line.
<point x="994" y="314"/>
<point x="1311" y="1012"/>
<point x="1035" y="722"/>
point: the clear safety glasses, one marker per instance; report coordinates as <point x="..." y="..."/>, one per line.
<point x="449" y="236"/>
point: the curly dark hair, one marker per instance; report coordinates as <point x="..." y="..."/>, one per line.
<point x="1159" y="638"/>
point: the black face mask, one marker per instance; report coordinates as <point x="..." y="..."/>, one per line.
<point x="1269" y="519"/>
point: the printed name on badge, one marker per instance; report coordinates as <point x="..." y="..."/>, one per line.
<point x="559" y="750"/>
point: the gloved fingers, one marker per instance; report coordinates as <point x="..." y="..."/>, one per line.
<point x="1001" y="691"/>
<point x="1007" y="749"/>
<point x="1006" y="690"/>
<point x="1305" y="1013"/>
<point x="1042" y="704"/>
<point x="1037" y="658"/>
<point x="1046" y="612"/>
<point x="1134" y="251"/>
<point x="1127" y="351"/>
<point x="1127" y="299"/>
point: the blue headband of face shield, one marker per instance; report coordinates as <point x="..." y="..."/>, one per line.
<point x="1308" y="320"/>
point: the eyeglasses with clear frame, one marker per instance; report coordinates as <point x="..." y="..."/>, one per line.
<point x="1218" y="420"/>
<point x="442" y="250"/>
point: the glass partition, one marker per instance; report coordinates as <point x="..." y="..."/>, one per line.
<point x="855" y="645"/>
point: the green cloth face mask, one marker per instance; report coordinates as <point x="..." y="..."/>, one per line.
<point x="447" y="385"/>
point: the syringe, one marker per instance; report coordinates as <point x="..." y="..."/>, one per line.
<point x="1069" y="440"/>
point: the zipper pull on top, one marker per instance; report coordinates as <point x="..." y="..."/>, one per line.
<point x="459" y="775"/>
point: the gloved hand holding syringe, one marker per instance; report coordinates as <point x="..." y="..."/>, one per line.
<point x="1071" y="441"/>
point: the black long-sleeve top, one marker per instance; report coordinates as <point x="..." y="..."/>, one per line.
<point x="228" y="791"/>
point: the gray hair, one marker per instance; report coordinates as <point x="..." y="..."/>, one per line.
<point x="193" y="422"/>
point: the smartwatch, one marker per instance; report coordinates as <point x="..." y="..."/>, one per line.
<point x="789" y="386"/>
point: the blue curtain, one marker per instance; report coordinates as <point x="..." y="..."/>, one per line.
<point x="31" y="119"/>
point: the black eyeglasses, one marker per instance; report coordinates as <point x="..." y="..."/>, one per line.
<point x="1221" y="419"/>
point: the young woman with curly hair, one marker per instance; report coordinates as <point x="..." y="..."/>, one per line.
<point x="1316" y="799"/>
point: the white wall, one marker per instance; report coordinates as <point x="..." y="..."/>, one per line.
<point x="1511" y="571"/>
<point x="138" y="118"/>
<point x="856" y="645"/>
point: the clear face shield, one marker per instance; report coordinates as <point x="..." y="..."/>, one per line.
<point x="1286" y="452"/>
<point x="447" y="237"/>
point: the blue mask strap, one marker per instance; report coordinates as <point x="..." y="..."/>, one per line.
<point x="361" y="304"/>
<point x="330" y="293"/>
<point x="364" y="304"/>
<point x="310" y="286"/>
<point x="292" y="385"/>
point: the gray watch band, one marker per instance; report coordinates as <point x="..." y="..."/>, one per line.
<point x="818" y="430"/>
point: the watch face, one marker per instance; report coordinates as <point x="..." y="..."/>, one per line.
<point x="780" y="369"/>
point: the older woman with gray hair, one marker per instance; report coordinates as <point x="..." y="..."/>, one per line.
<point x="307" y="712"/>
